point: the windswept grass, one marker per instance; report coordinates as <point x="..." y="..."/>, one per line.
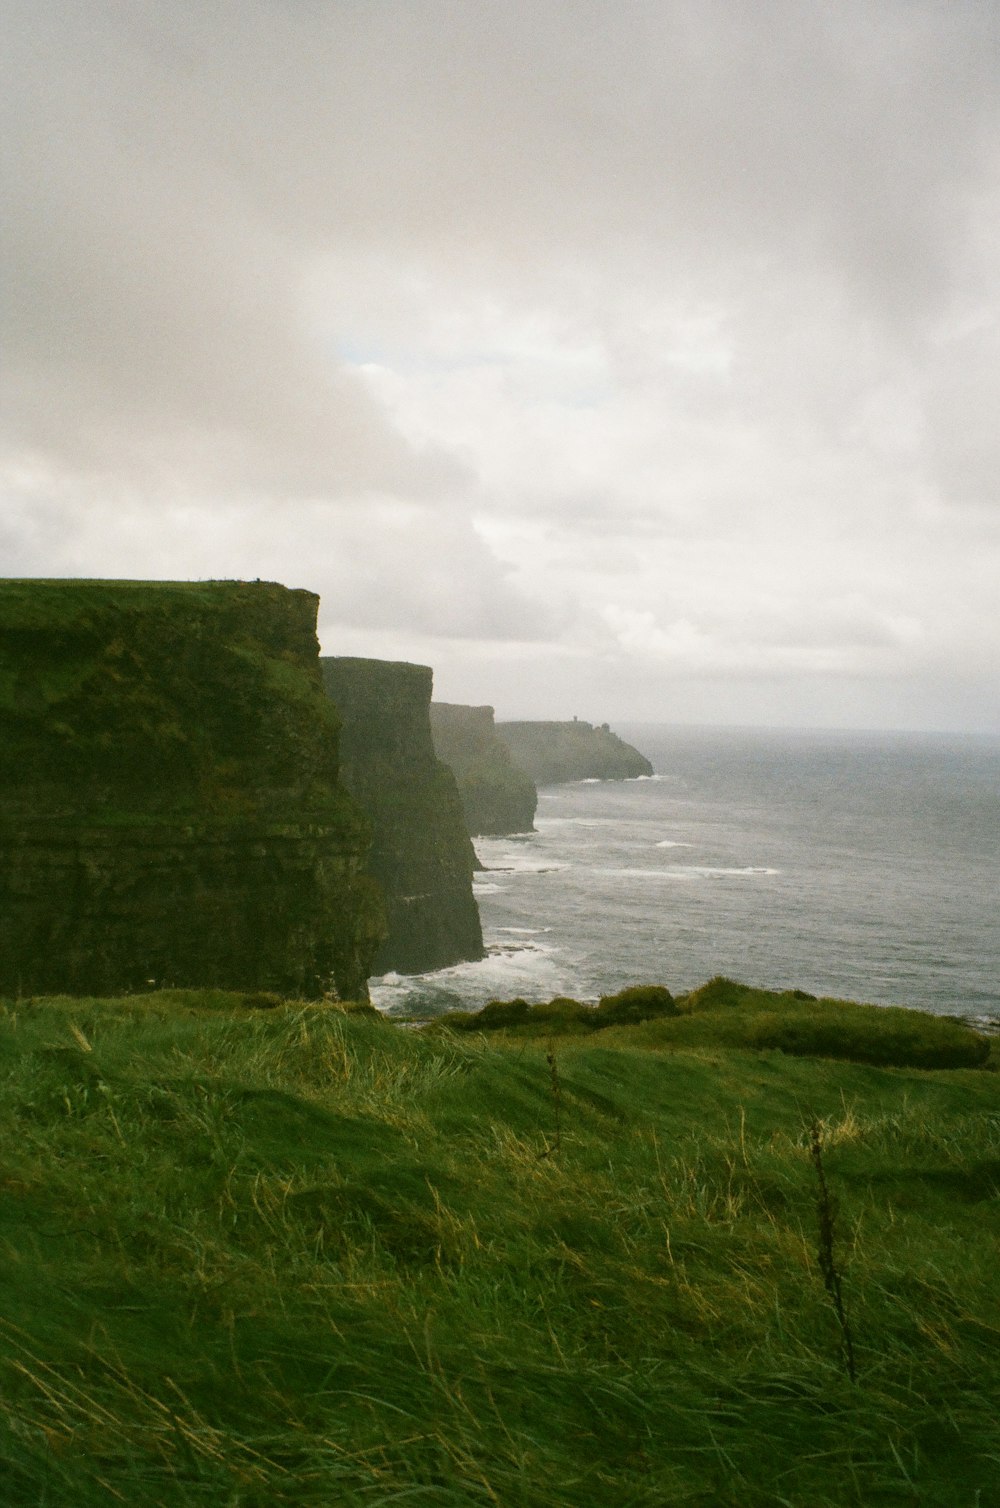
<point x="725" y="1013"/>
<point x="301" y="1256"/>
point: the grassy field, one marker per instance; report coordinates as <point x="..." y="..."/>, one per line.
<point x="303" y="1256"/>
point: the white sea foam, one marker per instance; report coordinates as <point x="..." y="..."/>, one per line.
<point x="547" y="822"/>
<point x="719" y="871"/>
<point x="688" y="872"/>
<point x="673" y="843"/>
<point x="510" y="968"/>
<point x="988" y="1025"/>
<point x="522" y="864"/>
<point x="487" y="887"/>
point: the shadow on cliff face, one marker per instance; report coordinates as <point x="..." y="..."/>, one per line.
<point x="170" y="808"/>
<point x="497" y="797"/>
<point x="421" y="855"/>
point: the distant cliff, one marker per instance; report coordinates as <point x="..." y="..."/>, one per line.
<point x="170" y="807"/>
<point x="497" y="797"/>
<point x="421" y="853"/>
<point x="552" y="753"/>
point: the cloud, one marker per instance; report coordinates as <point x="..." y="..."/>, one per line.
<point x="154" y="332"/>
<point x="546" y="340"/>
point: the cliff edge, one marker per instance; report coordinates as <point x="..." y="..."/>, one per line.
<point x="421" y="852"/>
<point x="497" y="797"/>
<point x="552" y="753"/>
<point x="170" y="808"/>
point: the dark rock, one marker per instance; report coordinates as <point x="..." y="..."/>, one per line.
<point x="170" y="810"/>
<point x="553" y="753"/>
<point x="421" y="853"/>
<point x="497" y="797"/>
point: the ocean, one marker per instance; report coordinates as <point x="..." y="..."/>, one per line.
<point x="864" y="866"/>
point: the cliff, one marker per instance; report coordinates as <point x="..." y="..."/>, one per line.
<point x="497" y="797"/>
<point x="421" y="854"/>
<point x="552" y="753"/>
<point x="170" y="807"/>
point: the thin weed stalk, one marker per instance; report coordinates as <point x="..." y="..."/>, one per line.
<point x="556" y="1088"/>
<point x="827" y="1210"/>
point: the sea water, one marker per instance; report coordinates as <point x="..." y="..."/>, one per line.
<point x="863" y="866"/>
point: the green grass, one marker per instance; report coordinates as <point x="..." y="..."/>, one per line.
<point x="302" y="1256"/>
<point x="725" y="1013"/>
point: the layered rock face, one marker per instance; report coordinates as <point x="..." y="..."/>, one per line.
<point x="497" y="797"/>
<point x="170" y="807"/>
<point x="552" y="753"/>
<point x="421" y="853"/>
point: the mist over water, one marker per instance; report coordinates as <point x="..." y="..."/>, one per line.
<point x="865" y="866"/>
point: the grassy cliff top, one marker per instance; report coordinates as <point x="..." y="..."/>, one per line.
<point x="376" y="688"/>
<point x="553" y="752"/>
<point x="466" y="738"/>
<point x="133" y="694"/>
<point x="497" y="795"/>
<point x="298" y="1257"/>
<point x="383" y="705"/>
<point x="54" y="599"/>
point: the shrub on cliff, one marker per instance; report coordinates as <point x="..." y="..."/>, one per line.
<point x="719" y="991"/>
<point x="888" y="1037"/>
<point x="724" y="1013"/>
<point x="500" y="1013"/>
<point x="797" y="1023"/>
<point x="558" y="1015"/>
<point x="640" y="1002"/>
<point x="562" y="1014"/>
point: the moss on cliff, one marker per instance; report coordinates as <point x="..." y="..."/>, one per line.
<point x="552" y="753"/>
<point x="149" y="696"/>
<point x="497" y="797"/>
<point x="169" y="799"/>
<point x="421" y="853"/>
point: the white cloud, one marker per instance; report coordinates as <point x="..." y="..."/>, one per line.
<point x="648" y="353"/>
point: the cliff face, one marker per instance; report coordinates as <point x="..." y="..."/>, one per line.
<point x="497" y="797"/>
<point x="170" y="807"/>
<point x="555" y="752"/>
<point x="421" y="854"/>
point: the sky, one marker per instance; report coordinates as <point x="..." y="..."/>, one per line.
<point x="628" y="359"/>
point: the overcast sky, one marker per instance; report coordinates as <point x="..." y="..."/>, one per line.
<point x="637" y="359"/>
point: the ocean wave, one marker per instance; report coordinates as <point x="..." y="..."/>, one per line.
<point x="690" y="872"/>
<point x="673" y="843"/>
<point x="544" y="822"/>
<point x="515" y="864"/>
<point x="711" y="871"/>
<point x="526" y="967"/>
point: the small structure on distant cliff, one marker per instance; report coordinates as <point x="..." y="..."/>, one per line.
<point x="497" y="797"/>
<point x="552" y="753"/>
<point x="170" y="808"/>
<point x="421" y="853"/>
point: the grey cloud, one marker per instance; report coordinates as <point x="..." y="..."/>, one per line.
<point x="518" y="129"/>
<point x="377" y="565"/>
<point x="962" y="417"/>
<point x="153" y="327"/>
<point x="686" y="296"/>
